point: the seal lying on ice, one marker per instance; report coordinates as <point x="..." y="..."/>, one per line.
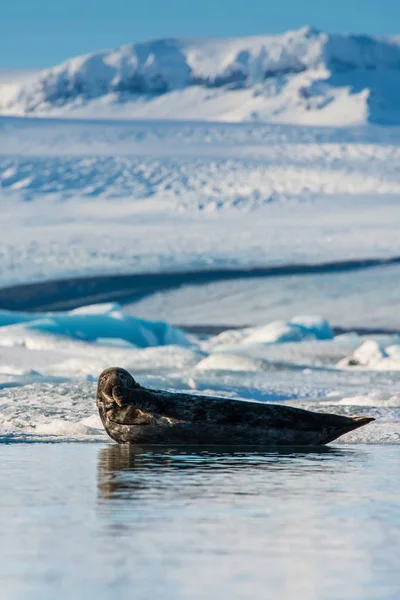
<point x="132" y="414"/>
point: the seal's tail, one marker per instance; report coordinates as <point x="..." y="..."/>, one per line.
<point x="360" y="421"/>
<point x="351" y="424"/>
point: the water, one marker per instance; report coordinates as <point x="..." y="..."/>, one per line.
<point x="103" y="521"/>
<point x="358" y="299"/>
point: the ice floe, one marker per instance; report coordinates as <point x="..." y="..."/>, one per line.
<point x="298" y="329"/>
<point x="373" y="355"/>
<point x="295" y="330"/>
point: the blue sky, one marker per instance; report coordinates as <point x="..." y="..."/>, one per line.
<point x="37" y="33"/>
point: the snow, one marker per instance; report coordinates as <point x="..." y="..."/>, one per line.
<point x="374" y="355"/>
<point x="11" y="81"/>
<point x="229" y="362"/>
<point x="304" y="76"/>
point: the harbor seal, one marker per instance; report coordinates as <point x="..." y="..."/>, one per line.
<point x="132" y="414"/>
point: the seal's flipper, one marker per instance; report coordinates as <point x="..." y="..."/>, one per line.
<point x="360" y="421"/>
<point x="130" y="415"/>
<point x="352" y="424"/>
<point x="108" y="400"/>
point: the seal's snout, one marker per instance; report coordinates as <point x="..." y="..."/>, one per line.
<point x="110" y="378"/>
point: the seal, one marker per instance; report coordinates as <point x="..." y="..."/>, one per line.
<point x="132" y="414"/>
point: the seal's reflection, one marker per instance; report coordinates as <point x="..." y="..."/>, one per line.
<point x="130" y="471"/>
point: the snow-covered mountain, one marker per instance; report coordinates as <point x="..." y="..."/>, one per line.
<point x="304" y="76"/>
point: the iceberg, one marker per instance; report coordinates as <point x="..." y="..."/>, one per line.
<point x="297" y="329"/>
<point x="97" y="324"/>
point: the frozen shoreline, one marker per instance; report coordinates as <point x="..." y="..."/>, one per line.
<point x="70" y="293"/>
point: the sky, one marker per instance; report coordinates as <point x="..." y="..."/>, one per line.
<point x="40" y="33"/>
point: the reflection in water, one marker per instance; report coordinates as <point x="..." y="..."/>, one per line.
<point x="199" y="524"/>
<point x="202" y="522"/>
<point x="128" y="471"/>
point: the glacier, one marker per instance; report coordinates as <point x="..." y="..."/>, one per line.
<point x="84" y="197"/>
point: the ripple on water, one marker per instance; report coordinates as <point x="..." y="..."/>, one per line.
<point x="190" y="523"/>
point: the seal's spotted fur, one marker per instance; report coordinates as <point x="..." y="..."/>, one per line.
<point x="133" y="414"/>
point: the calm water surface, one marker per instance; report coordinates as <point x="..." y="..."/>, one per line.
<point x="101" y="521"/>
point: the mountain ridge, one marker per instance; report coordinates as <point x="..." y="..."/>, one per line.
<point x="304" y="76"/>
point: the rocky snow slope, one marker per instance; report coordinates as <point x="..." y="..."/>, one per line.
<point x="304" y="76"/>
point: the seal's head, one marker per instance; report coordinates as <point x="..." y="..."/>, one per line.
<point x="108" y="379"/>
